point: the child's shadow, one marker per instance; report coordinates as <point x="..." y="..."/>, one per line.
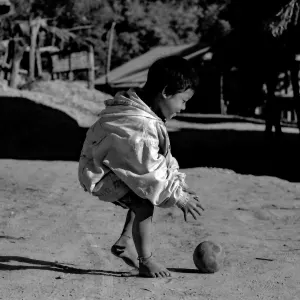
<point x="52" y="266"/>
<point x="30" y="264"/>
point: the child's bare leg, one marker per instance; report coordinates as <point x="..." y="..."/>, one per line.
<point x="124" y="247"/>
<point x="142" y="227"/>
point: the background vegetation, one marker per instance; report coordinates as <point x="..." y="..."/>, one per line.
<point x="140" y="24"/>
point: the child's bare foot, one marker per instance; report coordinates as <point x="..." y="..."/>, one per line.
<point x="149" y="268"/>
<point x="124" y="248"/>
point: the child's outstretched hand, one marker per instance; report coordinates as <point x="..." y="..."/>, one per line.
<point x="193" y="207"/>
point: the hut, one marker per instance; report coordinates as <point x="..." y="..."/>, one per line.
<point x="36" y="49"/>
<point x="133" y="74"/>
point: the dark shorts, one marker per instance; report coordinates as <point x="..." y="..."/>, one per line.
<point x="130" y="200"/>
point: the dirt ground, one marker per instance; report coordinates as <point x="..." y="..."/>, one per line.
<point x="55" y="239"/>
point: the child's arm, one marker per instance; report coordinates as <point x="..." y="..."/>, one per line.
<point x="188" y="190"/>
<point x="173" y="165"/>
<point x="192" y="207"/>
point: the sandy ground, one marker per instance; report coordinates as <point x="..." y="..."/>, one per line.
<point x="55" y="239"/>
<point x="48" y="224"/>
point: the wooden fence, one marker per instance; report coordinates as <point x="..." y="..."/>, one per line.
<point x="74" y="61"/>
<point x="62" y="63"/>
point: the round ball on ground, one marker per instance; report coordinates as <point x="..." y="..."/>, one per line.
<point x="208" y="257"/>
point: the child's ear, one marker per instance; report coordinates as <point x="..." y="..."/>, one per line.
<point x="164" y="94"/>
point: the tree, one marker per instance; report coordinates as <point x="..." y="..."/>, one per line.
<point x="140" y="24"/>
<point x="261" y="47"/>
<point x="38" y="14"/>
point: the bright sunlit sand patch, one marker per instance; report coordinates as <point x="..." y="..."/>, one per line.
<point x="174" y="125"/>
<point x="58" y="240"/>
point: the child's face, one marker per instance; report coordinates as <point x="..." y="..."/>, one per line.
<point x="171" y="105"/>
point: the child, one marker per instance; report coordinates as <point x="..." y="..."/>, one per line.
<point x="126" y="159"/>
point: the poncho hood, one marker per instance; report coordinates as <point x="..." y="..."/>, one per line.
<point x="127" y="104"/>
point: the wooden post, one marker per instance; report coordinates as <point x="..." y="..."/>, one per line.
<point x="71" y="76"/>
<point x="91" y="74"/>
<point x="34" y="29"/>
<point x="3" y="63"/>
<point x="70" y="73"/>
<point x="8" y="57"/>
<point x="18" y="50"/>
<point x="222" y="102"/>
<point x="38" y="54"/>
<point x="289" y="116"/>
<point x="39" y="63"/>
<point x="110" y="47"/>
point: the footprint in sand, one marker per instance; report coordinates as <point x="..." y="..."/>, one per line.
<point x="266" y="213"/>
<point x="252" y="215"/>
<point x="283" y="212"/>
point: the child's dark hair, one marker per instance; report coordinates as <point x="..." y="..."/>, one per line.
<point x="173" y="74"/>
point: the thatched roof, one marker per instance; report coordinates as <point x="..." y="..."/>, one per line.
<point x="134" y="72"/>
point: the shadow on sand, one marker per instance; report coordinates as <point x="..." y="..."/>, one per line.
<point x="243" y="151"/>
<point x="25" y="263"/>
<point x="34" y="131"/>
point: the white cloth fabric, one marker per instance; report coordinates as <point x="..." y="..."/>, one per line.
<point x="128" y="148"/>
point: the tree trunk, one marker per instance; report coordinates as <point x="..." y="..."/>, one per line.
<point x="18" y="50"/>
<point x="34" y="30"/>
<point x="39" y="63"/>
<point x="110" y="47"/>
<point x="41" y="40"/>
<point x="222" y="102"/>
<point x="91" y="72"/>
<point x="295" y="84"/>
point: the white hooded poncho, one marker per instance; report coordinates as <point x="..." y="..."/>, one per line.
<point x="128" y="148"/>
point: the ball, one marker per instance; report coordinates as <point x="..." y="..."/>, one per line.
<point x="208" y="257"/>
